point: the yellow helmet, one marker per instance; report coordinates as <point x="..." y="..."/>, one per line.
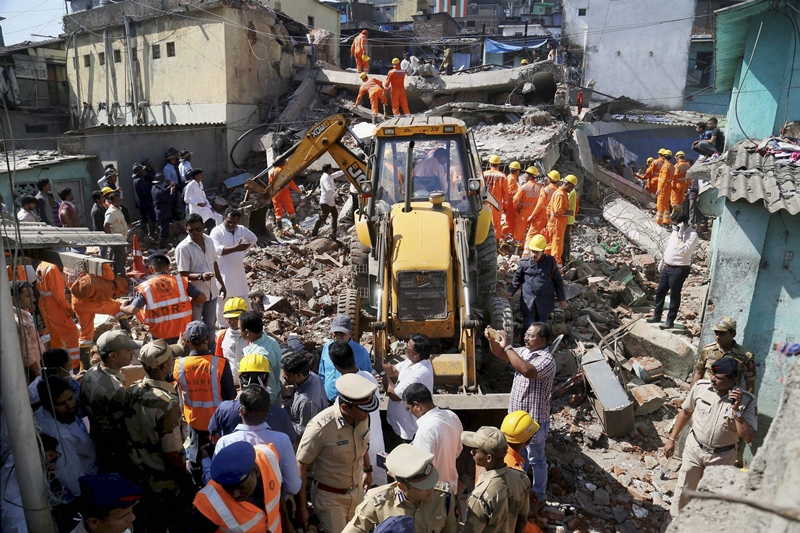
<point x="363" y="75"/>
<point x="649" y="160"/>
<point x="518" y="427"/>
<point x="524" y="62"/>
<point x="533" y="171"/>
<point x="515" y="165"/>
<point x="106" y="190"/>
<point x="255" y="362"/>
<point x="395" y="61"/>
<point x="494" y="159"/>
<point x="365" y="57"/>
<point x="572" y="179"/>
<point x="661" y="151"/>
<point x="234" y="307"/>
<point x="538" y="243"/>
<point x="668" y="153"/>
<point x="554" y="175"/>
<point x="680" y="153"/>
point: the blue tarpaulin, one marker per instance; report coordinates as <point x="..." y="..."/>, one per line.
<point x="514" y="45"/>
<point x="638" y="145"/>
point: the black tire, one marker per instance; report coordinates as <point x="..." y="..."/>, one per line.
<point x="349" y="304"/>
<point x="487" y="270"/>
<point x="359" y="262"/>
<point x="500" y="318"/>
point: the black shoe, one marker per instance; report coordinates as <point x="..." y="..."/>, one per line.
<point x="667" y="325"/>
<point x="653" y="319"/>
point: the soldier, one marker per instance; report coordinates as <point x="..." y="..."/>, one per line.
<point x="488" y="505"/>
<point x="726" y="345"/>
<point x="153" y="423"/>
<point x="416" y="492"/>
<point x="336" y="442"/>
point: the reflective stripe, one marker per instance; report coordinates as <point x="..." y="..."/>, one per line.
<point x="167" y="318"/>
<point x="182" y="297"/>
<point x="231" y="525"/>
<point x="182" y="381"/>
<point x="45" y="293"/>
<point x="215" y="397"/>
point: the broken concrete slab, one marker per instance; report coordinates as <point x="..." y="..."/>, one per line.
<point x="677" y="355"/>
<point x="648" y="399"/>
<point x="637" y="226"/>
<point x="648" y="369"/>
<point x="630" y="189"/>
<point x="584" y="151"/>
<point x="300" y="100"/>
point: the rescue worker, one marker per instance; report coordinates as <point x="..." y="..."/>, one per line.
<point x="163" y="302"/>
<point x="574" y="202"/>
<point x="650" y="175"/>
<point x="396" y="84"/>
<point x="156" y="455"/>
<point x="680" y="183"/>
<point x="106" y="503"/>
<point x="415" y="492"/>
<point x="558" y="211"/>
<point x="282" y="203"/>
<point x="375" y="90"/>
<point x="93" y="295"/>
<point x="518" y="428"/>
<point x="336" y="442"/>
<point x="229" y="342"/>
<point x="244" y="492"/>
<point x="512" y="186"/>
<point x="487" y="506"/>
<point x="665" y="180"/>
<point x="721" y="414"/>
<point x="541" y="283"/>
<point x="204" y="380"/>
<point x="358" y="49"/>
<point x="725" y="345"/>
<point x="56" y="311"/>
<point x="538" y="219"/>
<point x="496" y="184"/>
<point x="524" y="203"/>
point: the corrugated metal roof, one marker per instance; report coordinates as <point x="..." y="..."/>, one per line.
<point x="24" y="159"/>
<point x="24" y="45"/>
<point x="39" y="236"/>
<point x="732" y="25"/>
<point x="95" y="129"/>
<point x="745" y="175"/>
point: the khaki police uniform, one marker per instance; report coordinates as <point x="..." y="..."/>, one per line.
<point x="713" y="436"/>
<point x="487" y="506"/>
<point x="337" y="453"/>
<point x="711" y="353"/>
<point x="519" y="501"/>
<point x="433" y="516"/>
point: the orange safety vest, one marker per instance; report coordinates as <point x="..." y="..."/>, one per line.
<point x="216" y="504"/>
<point x="200" y="381"/>
<point x="169" y="308"/>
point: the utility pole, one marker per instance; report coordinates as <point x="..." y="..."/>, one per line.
<point x="18" y="416"/>
<point x="130" y="66"/>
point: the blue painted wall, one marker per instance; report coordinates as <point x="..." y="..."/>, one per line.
<point x="765" y="93"/>
<point x="647" y="143"/>
<point x="752" y="282"/>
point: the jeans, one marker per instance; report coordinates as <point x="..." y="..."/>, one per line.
<point x="207" y="312"/>
<point x="671" y="280"/>
<point x="705" y="148"/>
<point x="538" y="461"/>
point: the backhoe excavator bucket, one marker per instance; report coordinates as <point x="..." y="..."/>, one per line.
<point x="255" y="218"/>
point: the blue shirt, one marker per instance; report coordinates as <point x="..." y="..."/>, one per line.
<point x="328" y="373"/>
<point x="170" y="174"/>
<point x="269" y="347"/>
<point x="227" y="417"/>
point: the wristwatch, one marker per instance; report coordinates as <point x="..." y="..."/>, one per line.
<point x="368" y="470"/>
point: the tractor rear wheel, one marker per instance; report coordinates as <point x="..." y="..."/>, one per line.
<point x="349" y="304"/>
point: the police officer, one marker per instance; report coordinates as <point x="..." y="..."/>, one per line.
<point x="488" y="505"/>
<point x="417" y="492"/>
<point x="106" y="503"/>
<point x="153" y="421"/>
<point x="721" y="414"/>
<point x="726" y="345"/>
<point x="336" y="442"/>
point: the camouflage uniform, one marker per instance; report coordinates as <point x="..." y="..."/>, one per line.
<point x="712" y="352"/>
<point x="380" y="503"/>
<point x="519" y="500"/>
<point x="487" y="510"/>
<point x="153" y="423"/>
<point x="102" y="398"/>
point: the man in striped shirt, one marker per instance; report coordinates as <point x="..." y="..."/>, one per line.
<point x="535" y="369"/>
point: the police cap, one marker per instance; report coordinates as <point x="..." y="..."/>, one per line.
<point x="102" y="493"/>
<point x="232" y="464"/>
<point x="489" y="439"/>
<point x="412" y="466"/>
<point x="116" y="340"/>
<point x="725" y="365"/>
<point x="156" y="353"/>
<point x="396" y="524"/>
<point x="196" y="332"/>
<point x="725" y="323"/>
<point x="359" y="391"/>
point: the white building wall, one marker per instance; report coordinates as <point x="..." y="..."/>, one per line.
<point x="635" y="48"/>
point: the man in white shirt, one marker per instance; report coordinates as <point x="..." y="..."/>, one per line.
<point x="438" y="431"/>
<point x="415" y="369"/>
<point x="27" y="212"/>
<point x="195" y="197"/>
<point x="231" y="242"/>
<point x="677" y="263"/>
<point x="197" y="262"/>
<point x="327" y="201"/>
<point x="114" y="222"/>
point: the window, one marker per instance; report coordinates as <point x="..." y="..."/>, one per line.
<point x="311" y="22"/>
<point x="156" y="51"/>
<point x="134" y="55"/>
<point x="470" y="24"/>
<point x="518" y="34"/>
<point x="171" y="49"/>
<point x="36" y="128"/>
<point x="101" y="57"/>
<point x="582" y="12"/>
<point x="117" y="56"/>
<point x="87" y="60"/>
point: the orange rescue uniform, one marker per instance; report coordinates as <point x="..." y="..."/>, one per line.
<point x="557" y="224"/>
<point x="651" y="175"/>
<point x="512" y="186"/>
<point x="104" y="289"/>
<point x="282" y="202"/>
<point x="679" y="185"/>
<point x="396" y="82"/>
<point x="358" y="49"/>
<point x="374" y="88"/>
<point x="665" y="177"/>
<point x="497" y="185"/>
<point x="200" y="380"/>
<point x="56" y="312"/>
<point x="168" y="307"/>
<point x="524" y="203"/>
<point x="540" y="214"/>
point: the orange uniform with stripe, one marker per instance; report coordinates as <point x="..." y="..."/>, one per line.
<point x="512" y="186"/>
<point x="55" y="310"/>
<point x="540" y="215"/>
<point x="396" y="82"/>
<point x="650" y="177"/>
<point x="374" y="88"/>
<point x="497" y="185"/>
<point x="200" y="380"/>
<point x="665" y="177"/>
<point x="357" y="51"/>
<point x="557" y="224"/>
<point x="679" y="184"/>
<point x="98" y="299"/>
<point x="525" y="201"/>
<point x="216" y="504"/>
<point x="282" y="202"/>
<point x="168" y="306"/>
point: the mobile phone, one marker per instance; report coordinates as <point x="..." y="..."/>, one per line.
<point x="380" y="458"/>
<point x="732" y="400"/>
